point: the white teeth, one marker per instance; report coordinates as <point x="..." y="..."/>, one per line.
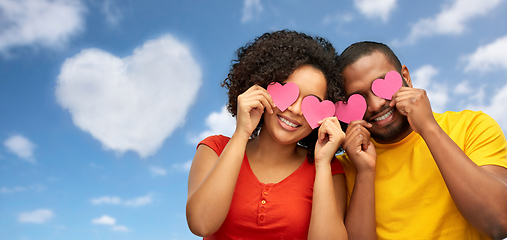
<point x="384" y="116"/>
<point x="287" y="122"/>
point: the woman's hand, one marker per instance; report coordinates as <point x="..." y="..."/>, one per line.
<point x="330" y="136"/>
<point x="251" y="105"/>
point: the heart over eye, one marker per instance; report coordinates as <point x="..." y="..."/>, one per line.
<point x="385" y="88"/>
<point x="352" y="110"/>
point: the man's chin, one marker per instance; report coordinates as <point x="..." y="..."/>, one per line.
<point x="392" y="133"/>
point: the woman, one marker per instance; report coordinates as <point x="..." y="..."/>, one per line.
<point x="274" y="178"/>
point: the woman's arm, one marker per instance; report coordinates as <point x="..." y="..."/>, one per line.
<point x="329" y="194"/>
<point x="211" y="184"/>
<point x="212" y="179"/>
<point x="328" y="206"/>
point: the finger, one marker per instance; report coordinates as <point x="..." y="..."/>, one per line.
<point x="265" y="100"/>
<point x="363" y="135"/>
<point x="257" y="95"/>
<point x="358" y="123"/>
<point x="333" y="126"/>
<point x="402" y="109"/>
<point x="322" y="134"/>
<point x="357" y="138"/>
<point x="333" y="121"/>
<point x="353" y="143"/>
<point x="269" y="104"/>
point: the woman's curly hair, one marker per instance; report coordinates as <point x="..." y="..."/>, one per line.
<point x="273" y="57"/>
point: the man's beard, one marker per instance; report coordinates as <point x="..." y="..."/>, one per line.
<point x="392" y="132"/>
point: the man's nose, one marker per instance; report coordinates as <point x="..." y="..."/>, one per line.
<point x="374" y="103"/>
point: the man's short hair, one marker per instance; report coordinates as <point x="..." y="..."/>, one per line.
<point x="360" y="49"/>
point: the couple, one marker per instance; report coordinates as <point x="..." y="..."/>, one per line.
<point x="407" y="173"/>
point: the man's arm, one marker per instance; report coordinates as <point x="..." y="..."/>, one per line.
<point x="360" y="219"/>
<point x="480" y="193"/>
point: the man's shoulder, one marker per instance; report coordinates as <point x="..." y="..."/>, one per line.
<point x="468" y="122"/>
<point x="465" y="115"/>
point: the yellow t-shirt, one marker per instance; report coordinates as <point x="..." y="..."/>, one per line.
<point x="411" y="198"/>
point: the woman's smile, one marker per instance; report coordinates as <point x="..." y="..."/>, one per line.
<point x="288" y="123"/>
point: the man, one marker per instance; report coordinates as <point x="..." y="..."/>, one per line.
<point x="428" y="175"/>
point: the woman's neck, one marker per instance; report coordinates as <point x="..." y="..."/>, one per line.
<point x="264" y="148"/>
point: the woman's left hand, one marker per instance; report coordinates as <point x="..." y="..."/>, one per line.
<point x="330" y="137"/>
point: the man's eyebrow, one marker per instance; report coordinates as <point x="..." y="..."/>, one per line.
<point x="381" y="77"/>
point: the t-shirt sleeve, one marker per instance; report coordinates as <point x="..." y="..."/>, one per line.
<point x="215" y="142"/>
<point x="336" y="167"/>
<point x="485" y="142"/>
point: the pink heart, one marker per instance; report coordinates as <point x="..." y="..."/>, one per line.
<point x="353" y="110"/>
<point x="315" y="110"/>
<point x="283" y="95"/>
<point x="385" y="88"/>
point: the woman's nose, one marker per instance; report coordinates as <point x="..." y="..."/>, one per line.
<point x="295" y="108"/>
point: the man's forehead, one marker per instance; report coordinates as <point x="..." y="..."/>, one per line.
<point x="361" y="74"/>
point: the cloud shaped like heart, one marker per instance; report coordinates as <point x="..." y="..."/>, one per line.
<point x="131" y="103"/>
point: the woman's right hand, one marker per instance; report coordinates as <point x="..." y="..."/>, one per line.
<point x="251" y="105"/>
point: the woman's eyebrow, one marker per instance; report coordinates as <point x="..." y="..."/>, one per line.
<point x="320" y="99"/>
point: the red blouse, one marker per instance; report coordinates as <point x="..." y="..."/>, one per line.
<point x="268" y="210"/>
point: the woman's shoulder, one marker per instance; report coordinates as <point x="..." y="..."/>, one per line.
<point x="215" y="142"/>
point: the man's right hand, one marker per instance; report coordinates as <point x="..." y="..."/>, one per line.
<point x="358" y="146"/>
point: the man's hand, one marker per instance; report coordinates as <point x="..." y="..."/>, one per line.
<point x="414" y="103"/>
<point x="358" y="146"/>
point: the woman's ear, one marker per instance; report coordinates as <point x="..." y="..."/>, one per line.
<point x="405" y="74"/>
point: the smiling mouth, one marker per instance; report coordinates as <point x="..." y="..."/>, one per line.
<point x="384" y="116"/>
<point x="289" y="123"/>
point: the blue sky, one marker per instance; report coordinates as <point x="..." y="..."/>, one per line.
<point x="102" y="102"/>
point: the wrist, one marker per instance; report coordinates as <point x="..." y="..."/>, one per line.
<point x="431" y="130"/>
<point x="322" y="166"/>
<point x="368" y="176"/>
<point x="241" y="135"/>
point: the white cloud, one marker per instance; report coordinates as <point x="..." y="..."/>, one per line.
<point x="17" y="189"/>
<point x="93" y="165"/>
<point x="111" y="12"/>
<point x="182" y="167"/>
<point x="37" y="216"/>
<point x="374" y="9"/>
<point x="495" y="108"/>
<point x="48" y="23"/>
<point x="218" y="123"/>
<point x="338" y="18"/>
<point x="104" y="220"/>
<point x="6" y="190"/>
<point x="131" y="103"/>
<point x="136" y="202"/>
<point x="437" y="93"/>
<point x="489" y="57"/>
<point x="120" y="228"/>
<point x="140" y="201"/>
<point x="157" y="171"/>
<point x="251" y="10"/>
<point x="463" y="88"/>
<point x="107" y="220"/>
<point x="451" y="20"/>
<point x="106" y="200"/>
<point x="21" y="146"/>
